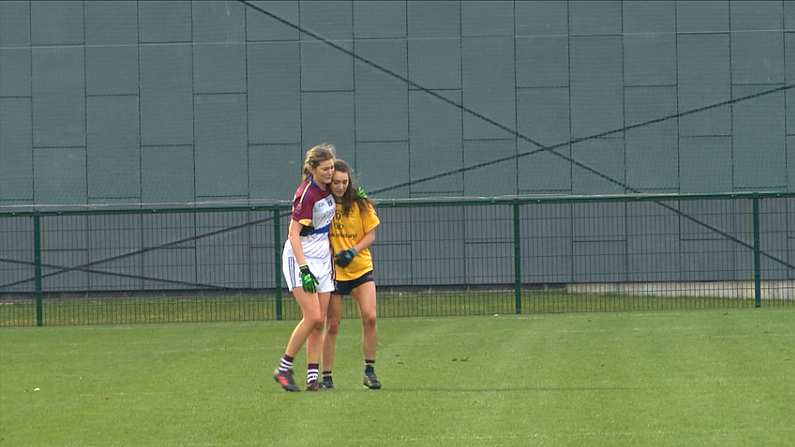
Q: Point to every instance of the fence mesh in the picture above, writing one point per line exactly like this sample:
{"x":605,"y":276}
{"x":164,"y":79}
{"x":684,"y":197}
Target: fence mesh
{"x":433,"y":258}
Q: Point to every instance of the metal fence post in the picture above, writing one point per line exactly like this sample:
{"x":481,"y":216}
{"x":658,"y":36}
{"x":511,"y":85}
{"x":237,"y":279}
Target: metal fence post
{"x":517,"y":260}
{"x":37,"y":269}
{"x":757,"y":262}
{"x":277,"y":260}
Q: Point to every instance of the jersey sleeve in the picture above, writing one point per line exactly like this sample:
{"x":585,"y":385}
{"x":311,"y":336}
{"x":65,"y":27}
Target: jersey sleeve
{"x":370,"y":219}
{"x":303,"y":203}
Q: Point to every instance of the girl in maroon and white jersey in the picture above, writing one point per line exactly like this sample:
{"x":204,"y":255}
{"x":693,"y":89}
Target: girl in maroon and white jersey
{"x":306,"y":264}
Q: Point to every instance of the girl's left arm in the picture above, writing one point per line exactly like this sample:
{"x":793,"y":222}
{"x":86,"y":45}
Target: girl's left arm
{"x":365,"y":241}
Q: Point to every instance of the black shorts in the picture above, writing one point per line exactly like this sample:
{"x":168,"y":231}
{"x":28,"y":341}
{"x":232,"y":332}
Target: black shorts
{"x":345,"y":287}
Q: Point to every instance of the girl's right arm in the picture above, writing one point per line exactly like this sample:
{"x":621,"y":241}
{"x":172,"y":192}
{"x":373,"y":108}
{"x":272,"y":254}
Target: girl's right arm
{"x":294,"y":236}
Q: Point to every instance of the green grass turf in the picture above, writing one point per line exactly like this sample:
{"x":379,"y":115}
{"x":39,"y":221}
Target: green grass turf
{"x":698,"y":378}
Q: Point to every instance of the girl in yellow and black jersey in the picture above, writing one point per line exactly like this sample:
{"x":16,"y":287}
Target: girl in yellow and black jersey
{"x":351,"y":234}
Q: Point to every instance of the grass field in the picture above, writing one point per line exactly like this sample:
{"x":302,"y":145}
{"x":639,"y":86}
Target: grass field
{"x":252,"y":306}
{"x":696,"y":378}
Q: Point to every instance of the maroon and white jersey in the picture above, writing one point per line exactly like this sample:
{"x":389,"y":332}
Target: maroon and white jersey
{"x":314,"y":209}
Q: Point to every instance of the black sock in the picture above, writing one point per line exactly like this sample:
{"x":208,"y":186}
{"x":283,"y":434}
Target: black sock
{"x":369,"y":365}
{"x":327,"y":373}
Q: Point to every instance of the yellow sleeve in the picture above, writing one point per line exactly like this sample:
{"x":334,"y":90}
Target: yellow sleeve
{"x":370,"y":219}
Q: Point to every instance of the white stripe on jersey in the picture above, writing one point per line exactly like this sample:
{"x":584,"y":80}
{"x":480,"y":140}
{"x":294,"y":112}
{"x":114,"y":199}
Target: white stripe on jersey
{"x":317,"y":245}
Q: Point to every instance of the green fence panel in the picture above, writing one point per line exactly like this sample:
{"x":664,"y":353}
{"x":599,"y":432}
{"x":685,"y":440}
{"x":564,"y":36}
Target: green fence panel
{"x":433,"y":257}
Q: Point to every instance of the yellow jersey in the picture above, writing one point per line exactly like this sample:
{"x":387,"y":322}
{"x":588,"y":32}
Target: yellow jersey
{"x":345,"y":232}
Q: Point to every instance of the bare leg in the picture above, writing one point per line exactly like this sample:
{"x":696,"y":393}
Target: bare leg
{"x":314,"y":341}
{"x":311,"y":320}
{"x":365,"y":297}
{"x":333,"y":317}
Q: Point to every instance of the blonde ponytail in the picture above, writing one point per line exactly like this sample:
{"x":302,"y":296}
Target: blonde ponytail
{"x":315,"y":156}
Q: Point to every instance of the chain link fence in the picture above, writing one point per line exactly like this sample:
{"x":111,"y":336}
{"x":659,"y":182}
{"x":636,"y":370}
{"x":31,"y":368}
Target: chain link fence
{"x":434,"y":257}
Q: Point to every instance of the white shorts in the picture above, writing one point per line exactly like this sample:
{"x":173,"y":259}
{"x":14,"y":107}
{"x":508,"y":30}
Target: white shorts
{"x":321,"y":268}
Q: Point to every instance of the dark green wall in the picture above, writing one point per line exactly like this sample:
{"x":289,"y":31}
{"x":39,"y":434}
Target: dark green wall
{"x":197,"y":101}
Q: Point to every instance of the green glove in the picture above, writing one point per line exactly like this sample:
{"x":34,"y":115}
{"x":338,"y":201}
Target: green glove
{"x":361,"y":193}
{"x":344,"y":258}
{"x":308,"y":280}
